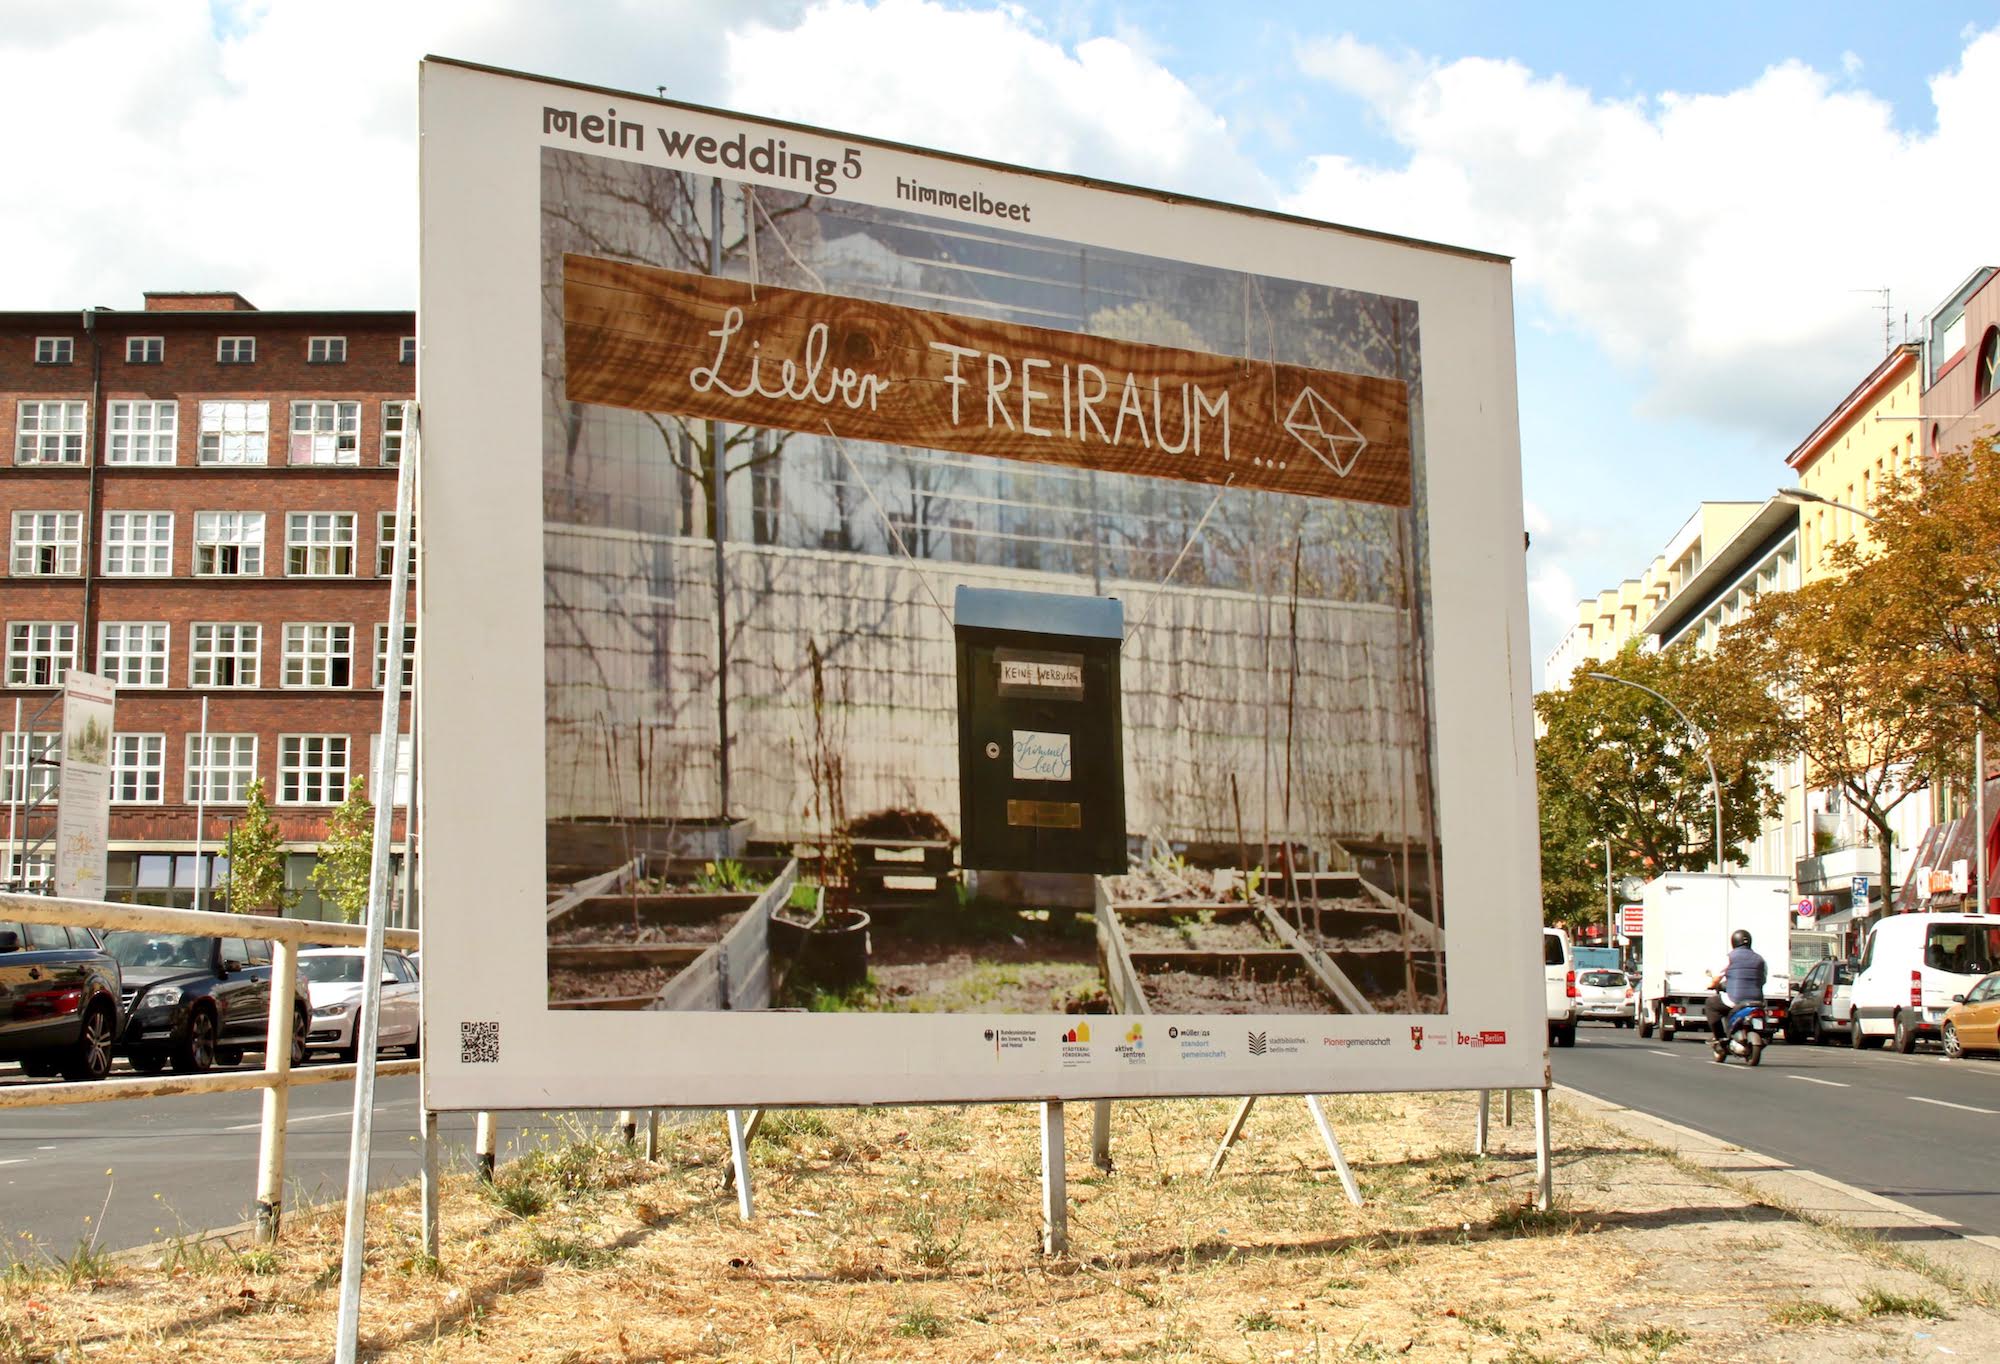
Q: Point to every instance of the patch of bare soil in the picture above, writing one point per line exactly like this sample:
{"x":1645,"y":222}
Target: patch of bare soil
{"x":568,"y":985}
{"x":706,"y":930}
{"x":1194,"y":992}
{"x":902,"y":1234}
{"x":1199,"y":933}
{"x":1038,"y":975}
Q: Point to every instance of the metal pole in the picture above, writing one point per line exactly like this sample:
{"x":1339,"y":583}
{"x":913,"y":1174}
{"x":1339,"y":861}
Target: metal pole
{"x":19,"y":784}
{"x":1100,"y":1135}
{"x":484,"y":1145}
{"x":1610,"y":929}
{"x":367,"y":1022}
{"x":1714,"y":786}
{"x":1979,"y":807}
{"x":652,"y":1134}
{"x":1347,"y":1183}
{"x":1506,"y":1108}
{"x":277,"y":1093}
{"x":1479,"y":1123}
{"x":718,"y":527}
{"x":1544,"y":1162}
{"x":628,"y":1126}
{"x":430,"y":1182}
{"x":201,"y":809}
{"x":739,"y":1155}
{"x":1055,"y":1192}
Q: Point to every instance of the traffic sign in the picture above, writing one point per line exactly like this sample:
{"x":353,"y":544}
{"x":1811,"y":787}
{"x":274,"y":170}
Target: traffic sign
{"x":1632,"y":920}
{"x":1860,"y":891}
{"x":1807,"y":908}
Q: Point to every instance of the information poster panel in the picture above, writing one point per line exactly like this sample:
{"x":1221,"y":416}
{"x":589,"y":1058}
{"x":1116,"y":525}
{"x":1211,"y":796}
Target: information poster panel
{"x":83,"y":797}
{"x":722,"y":418}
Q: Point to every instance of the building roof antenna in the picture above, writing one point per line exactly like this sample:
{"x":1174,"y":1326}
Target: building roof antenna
{"x":1888,"y":317}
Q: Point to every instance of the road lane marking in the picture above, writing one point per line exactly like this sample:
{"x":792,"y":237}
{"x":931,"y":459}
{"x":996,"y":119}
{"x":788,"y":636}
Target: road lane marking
{"x":1813,"y":1081}
{"x":1943,"y":1103}
{"x":311,"y":1117}
{"x":18,"y":1160}
{"x":1659,"y":1051}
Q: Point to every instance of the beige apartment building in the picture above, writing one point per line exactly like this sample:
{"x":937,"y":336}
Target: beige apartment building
{"x":1871,"y":435}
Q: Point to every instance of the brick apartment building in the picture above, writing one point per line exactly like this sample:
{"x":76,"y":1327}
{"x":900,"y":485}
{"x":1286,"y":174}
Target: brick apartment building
{"x":197,"y":497}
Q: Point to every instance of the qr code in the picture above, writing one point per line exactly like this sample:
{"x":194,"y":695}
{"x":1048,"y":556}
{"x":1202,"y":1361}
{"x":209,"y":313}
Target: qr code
{"x":478,"y":1042}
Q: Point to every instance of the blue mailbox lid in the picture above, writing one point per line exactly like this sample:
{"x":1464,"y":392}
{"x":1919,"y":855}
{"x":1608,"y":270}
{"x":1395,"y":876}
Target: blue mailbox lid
{"x":1040,"y":613}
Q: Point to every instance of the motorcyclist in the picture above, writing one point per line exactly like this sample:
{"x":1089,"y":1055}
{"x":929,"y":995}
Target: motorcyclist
{"x":1739,"y":982}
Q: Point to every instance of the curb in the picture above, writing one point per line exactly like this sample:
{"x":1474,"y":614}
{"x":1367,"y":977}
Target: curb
{"x":1807,"y":1193}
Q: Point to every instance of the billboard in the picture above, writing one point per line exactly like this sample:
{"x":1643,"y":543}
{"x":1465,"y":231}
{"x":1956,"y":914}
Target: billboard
{"x":738,"y":433}
{"x":83,"y":796}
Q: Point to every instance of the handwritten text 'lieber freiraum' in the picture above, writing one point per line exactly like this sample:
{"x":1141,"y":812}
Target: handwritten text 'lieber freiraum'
{"x":1031,"y":395}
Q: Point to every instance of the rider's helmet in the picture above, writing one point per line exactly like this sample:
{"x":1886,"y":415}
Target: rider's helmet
{"x":1740,"y":938}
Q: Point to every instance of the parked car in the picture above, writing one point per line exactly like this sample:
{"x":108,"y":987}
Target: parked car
{"x":58,"y":1001}
{"x":1910,"y":967}
{"x":333,"y":976}
{"x":1821,"y":1002}
{"x":1972,"y":1023}
{"x":1606,"y":997}
{"x":198,"y":1002}
{"x":1559,"y":983}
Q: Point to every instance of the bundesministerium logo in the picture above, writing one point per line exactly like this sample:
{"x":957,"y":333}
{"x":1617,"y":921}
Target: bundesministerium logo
{"x":1319,"y":426}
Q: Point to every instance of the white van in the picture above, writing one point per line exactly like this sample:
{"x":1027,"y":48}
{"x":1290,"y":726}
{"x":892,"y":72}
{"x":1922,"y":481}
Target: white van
{"x":1559,"y":973}
{"x":1910,"y":967}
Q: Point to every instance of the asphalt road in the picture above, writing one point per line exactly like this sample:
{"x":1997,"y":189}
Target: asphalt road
{"x":177,"y":1166}
{"x":1919,"y":1129}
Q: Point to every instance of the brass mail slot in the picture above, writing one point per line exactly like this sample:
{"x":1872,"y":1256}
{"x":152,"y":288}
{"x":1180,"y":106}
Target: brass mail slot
{"x":1045,"y":814}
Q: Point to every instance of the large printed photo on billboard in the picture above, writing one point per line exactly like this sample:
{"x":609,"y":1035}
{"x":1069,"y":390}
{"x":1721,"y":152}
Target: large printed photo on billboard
{"x":818,"y":725}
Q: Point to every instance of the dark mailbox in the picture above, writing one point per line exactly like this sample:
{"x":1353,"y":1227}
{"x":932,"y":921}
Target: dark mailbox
{"x":1041,"y":752}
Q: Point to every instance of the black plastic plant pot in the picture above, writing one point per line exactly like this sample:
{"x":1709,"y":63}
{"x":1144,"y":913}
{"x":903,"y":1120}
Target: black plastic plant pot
{"x":838,"y":948}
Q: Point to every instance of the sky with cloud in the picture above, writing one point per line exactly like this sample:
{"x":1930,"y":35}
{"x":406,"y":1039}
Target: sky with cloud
{"x":1696,"y":200}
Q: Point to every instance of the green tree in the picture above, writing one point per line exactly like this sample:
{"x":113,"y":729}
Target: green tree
{"x":341,"y":873}
{"x":257,"y":861}
{"x":1613,"y":762}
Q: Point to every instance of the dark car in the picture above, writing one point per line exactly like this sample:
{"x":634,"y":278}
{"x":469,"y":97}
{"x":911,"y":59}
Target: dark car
{"x":1820,"y":1001}
{"x":196,"y":1002}
{"x":58,"y":1001}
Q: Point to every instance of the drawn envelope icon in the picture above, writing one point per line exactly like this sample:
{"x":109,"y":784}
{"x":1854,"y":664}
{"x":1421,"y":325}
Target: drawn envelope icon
{"x":1319,"y":426}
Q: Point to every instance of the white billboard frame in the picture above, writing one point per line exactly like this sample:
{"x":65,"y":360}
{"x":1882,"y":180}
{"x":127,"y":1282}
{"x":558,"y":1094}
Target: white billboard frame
{"x":491,"y":1040}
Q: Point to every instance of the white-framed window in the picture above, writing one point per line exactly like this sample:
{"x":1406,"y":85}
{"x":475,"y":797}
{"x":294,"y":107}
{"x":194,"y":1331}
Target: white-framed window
{"x":385,"y":545}
{"x":226,"y":768}
{"x":32,"y":869}
{"x":325,"y":433}
{"x":235,"y":432}
{"x":138,"y":769}
{"x":141,"y":432}
{"x":47,"y":544}
{"x":145,"y":350}
{"x":312,"y":769}
{"x":382,"y":654}
{"x":319,"y":655}
{"x":40,"y":771}
{"x":406,"y":353}
{"x":133,"y":653}
{"x":319,"y":544}
{"x":326,"y":350}
{"x":235,"y":350}
{"x":49,"y":432}
{"x":138,"y":544}
{"x":229,"y":544}
{"x":224,"y":653}
{"x":405,"y":768}
{"x":394,"y":423}
{"x":40,"y":653}
{"x":55,"y":350}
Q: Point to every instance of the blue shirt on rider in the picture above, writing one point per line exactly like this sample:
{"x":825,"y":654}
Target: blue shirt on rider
{"x":1743,"y":978}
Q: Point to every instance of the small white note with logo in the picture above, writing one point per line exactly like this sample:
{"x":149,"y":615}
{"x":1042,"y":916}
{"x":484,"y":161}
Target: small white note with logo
{"x":1040,"y":757}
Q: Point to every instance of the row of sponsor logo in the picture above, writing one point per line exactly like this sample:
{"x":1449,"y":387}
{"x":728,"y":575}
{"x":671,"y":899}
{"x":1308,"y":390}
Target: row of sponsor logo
{"x":1125,"y":1039}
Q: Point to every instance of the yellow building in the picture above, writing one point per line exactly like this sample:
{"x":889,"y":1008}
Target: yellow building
{"x":1871,"y":435}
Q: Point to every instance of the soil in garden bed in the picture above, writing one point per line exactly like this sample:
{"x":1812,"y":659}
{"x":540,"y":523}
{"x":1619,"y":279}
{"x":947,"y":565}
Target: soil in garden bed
{"x":705,"y":930}
{"x":571,"y":985}
{"x":1194,"y":992}
{"x":1197,"y":933}
{"x":980,"y":958}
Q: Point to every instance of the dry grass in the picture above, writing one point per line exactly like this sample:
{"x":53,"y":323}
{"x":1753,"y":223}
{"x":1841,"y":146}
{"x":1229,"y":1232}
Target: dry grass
{"x":911,"y":1234}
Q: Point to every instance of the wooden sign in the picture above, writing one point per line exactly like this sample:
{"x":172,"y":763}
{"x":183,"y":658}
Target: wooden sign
{"x":699,"y":346}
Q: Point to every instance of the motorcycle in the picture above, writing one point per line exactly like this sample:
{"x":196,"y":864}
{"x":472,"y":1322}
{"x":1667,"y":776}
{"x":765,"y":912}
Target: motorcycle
{"x":1743,"y":1035}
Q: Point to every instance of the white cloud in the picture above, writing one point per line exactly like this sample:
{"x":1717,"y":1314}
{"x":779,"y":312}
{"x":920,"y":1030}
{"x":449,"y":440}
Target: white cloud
{"x":991,"y":83}
{"x":1711,"y":241}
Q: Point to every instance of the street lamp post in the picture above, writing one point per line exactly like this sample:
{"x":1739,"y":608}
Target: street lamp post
{"x":1714,"y":786}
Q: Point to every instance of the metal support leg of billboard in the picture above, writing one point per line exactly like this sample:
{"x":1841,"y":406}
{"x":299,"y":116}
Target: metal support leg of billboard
{"x":739,"y":1158}
{"x":430,"y":1183}
{"x":1318,"y":1111}
{"x":367,"y":1022}
{"x":1055,"y":1181}
{"x":1479,"y":1122}
{"x":732,"y":1174}
{"x":484,"y":1145}
{"x":1544,"y":1152}
{"x":1100,"y":1135}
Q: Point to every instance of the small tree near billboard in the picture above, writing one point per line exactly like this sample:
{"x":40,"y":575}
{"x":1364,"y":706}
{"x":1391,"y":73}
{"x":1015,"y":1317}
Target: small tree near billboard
{"x":341,"y":873}
{"x":257,"y":861}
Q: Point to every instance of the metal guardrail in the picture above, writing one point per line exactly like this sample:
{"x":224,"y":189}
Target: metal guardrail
{"x":275,"y":1079}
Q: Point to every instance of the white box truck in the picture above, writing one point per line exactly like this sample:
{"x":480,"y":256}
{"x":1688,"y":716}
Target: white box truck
{"x":1685,"y":940}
